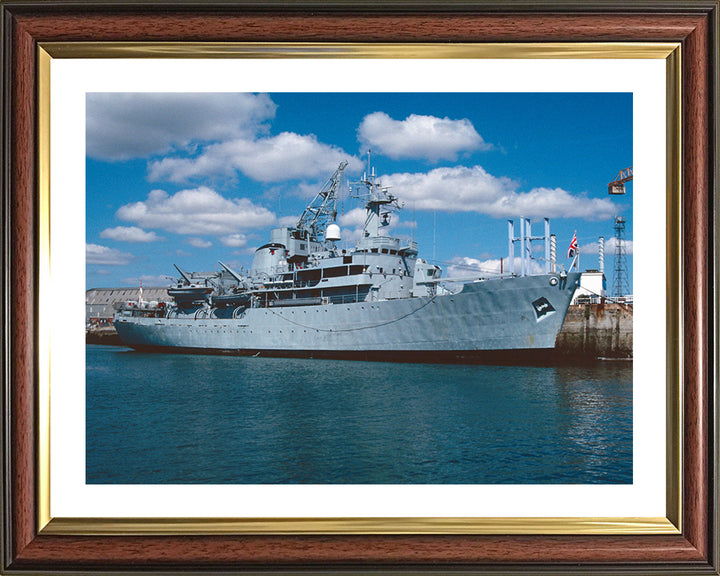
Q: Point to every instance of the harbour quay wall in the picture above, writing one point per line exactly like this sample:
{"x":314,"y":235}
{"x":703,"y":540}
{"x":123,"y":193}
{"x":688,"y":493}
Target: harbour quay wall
{"x":102,"y":335}
{"x":597,"y":331}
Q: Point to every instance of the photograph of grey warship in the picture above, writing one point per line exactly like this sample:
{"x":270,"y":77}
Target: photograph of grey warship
{"x":303,"y":296}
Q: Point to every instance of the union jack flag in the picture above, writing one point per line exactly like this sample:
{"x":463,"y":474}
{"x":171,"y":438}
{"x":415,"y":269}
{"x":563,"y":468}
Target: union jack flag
{"x":572,"y":250}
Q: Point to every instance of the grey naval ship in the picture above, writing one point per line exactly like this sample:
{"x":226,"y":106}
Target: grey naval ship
{"x":305,"y":297}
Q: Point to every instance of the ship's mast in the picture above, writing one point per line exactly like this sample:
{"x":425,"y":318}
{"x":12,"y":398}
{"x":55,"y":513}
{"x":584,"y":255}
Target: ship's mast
{"x":322,"y":211}
{"x":376,"y":199}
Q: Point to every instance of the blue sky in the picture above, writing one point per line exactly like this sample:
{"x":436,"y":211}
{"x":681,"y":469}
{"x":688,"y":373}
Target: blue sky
{"x":196,"y":178}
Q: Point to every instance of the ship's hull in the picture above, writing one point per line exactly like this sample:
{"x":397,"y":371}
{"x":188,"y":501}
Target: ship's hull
{"x":494,"y":320}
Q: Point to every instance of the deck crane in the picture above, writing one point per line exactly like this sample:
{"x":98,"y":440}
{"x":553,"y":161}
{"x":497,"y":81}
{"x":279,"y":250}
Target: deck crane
{"x":617,"y":186}
{"x":322,"y":211}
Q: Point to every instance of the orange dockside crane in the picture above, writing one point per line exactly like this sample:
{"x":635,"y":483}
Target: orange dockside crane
{"x":617,"y":186}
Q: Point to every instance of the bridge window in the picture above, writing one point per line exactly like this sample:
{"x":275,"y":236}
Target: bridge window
{"x":335,"y":272}
{"x":308,"y":275}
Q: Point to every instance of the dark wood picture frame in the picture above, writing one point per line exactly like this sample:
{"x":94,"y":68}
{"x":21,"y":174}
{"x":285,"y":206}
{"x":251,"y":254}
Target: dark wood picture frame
{"x":27,"y":24}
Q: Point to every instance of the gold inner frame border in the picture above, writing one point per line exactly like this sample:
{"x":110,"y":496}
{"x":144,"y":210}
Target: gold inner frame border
{"x":670,"y":524}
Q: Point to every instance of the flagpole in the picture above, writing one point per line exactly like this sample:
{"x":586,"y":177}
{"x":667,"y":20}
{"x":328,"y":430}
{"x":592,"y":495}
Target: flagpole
{"x":575,"y":252}
{"x":577,"y":263}
{"x":574,"y":262}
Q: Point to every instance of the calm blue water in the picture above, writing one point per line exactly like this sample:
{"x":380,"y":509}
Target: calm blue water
{"x":163,"y":418}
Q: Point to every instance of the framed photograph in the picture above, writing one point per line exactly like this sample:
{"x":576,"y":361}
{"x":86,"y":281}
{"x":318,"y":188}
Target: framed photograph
{"x":378,"y":216}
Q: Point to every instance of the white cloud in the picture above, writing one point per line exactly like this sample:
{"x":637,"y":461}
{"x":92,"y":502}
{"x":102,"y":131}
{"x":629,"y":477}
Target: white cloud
{"x":104,"y":256}
{"x":557,"y":203}
{"x":463,"y":266}
{"x":199,"y":242}
{"x":419,"y":136}
{"x":288,"y":221}
{"x":610,"y":246}
{"x":129,"y":234}
{"x":463,"y":189}
{"x":353,"y":218}
{"x":286,"y":156}
{"x":351,"y":224}
{"x":611,"y":243}
{"x":456,"y":189}
{"x":308,"y":189}
{"x":234,"y":240}
{"x":199,"y":211}
{"x":137,"y":125}
{"x":245,"y":251}
{"x":149,"y":281}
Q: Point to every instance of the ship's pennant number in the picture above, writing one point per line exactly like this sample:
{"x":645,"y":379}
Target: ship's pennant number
{"x":543,"y":308}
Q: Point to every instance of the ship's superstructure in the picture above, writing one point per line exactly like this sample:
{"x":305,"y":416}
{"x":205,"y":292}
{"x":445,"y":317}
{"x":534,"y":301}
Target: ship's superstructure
{"x":305,"y":296}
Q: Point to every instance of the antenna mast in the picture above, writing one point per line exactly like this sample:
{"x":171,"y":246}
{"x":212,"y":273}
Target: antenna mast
{"x":617,"y":187}
{"x":377,"y":198}
{"x":620,"y":287}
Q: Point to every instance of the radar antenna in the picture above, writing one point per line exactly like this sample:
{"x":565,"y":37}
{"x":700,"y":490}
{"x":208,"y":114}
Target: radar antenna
{"x":322,"y":211}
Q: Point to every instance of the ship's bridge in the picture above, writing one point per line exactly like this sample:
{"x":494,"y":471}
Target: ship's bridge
{"x":378,"y":244}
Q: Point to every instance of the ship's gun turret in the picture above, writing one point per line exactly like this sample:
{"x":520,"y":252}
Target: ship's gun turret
{"x":239,"y":278}
{"x":183,"y":274}
{"x":189,"y":293}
